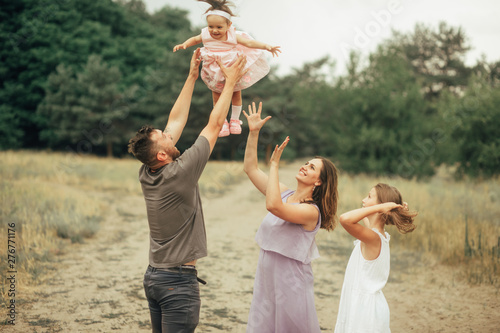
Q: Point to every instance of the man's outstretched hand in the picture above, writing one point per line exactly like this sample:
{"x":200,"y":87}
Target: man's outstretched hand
{"x":234,"y":72}
{"x":194,"y":68}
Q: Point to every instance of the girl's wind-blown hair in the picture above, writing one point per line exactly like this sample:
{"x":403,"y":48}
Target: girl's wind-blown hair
{"x":401,"y":217}
{"x":219,"y":5}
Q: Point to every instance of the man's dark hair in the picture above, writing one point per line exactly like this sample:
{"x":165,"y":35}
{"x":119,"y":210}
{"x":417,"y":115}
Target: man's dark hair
{"x":142,"y":147}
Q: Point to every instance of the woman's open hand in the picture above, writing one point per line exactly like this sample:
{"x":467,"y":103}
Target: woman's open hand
{"x":278,"y":150}
{"x":255,"y":122}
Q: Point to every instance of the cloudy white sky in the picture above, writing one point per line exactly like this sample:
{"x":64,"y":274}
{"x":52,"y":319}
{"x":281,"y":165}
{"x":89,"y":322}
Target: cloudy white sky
{"x":308,"y":30}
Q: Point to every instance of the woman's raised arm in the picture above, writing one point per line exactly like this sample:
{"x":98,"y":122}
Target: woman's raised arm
{"x":258,"y":177}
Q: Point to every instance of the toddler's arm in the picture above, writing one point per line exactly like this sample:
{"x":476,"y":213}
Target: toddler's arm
{"x":253,"y":44}
{"x":190,"y":42}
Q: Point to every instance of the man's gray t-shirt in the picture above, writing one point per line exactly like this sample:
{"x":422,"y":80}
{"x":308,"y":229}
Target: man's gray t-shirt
{"x":173,"y":203}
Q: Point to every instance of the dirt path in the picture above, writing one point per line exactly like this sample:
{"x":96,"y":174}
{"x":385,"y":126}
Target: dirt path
{"x":98,"y":285}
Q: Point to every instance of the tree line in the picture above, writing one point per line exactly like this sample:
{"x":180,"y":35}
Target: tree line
{"x":84,"y":75}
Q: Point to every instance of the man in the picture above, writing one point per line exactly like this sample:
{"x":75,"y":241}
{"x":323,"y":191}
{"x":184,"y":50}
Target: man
{"x":169,"y":183}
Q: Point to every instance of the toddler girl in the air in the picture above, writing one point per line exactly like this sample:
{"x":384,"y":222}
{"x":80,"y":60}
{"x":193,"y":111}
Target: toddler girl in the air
{"x":221,"y":41}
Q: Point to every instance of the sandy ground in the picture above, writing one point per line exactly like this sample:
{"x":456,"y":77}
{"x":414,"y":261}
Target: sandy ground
{"x":98,"y":285}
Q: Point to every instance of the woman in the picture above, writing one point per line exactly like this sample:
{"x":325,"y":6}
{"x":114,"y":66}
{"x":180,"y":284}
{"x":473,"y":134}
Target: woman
{"x":283,"y":295}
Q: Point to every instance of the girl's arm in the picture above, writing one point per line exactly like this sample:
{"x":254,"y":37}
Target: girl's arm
{"x":350,"y":221}
{"x":253,"y":44}
{"x":190,"y":42}
{"x":250,"y":164}
{"x":304,"y":214}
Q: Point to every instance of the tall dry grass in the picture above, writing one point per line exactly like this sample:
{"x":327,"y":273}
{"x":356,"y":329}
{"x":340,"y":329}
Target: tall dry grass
{"x":458,"y":222}
{"x":54,"y":200}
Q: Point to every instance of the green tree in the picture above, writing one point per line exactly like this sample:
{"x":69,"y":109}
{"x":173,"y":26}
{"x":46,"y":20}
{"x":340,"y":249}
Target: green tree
{"x":83,"y":109}
{"x":313,"y":117}
{"x":9,"y":127}
{"x":171,"y":19}
{"x":476,"y":120}
{"x":373,"y":118}
{"x":437,"y":57}
{"x":456,"y":111}
{"x":37,"y":36}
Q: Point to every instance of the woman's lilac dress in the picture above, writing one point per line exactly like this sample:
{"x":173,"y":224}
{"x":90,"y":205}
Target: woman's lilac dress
{"x":283,"y":295}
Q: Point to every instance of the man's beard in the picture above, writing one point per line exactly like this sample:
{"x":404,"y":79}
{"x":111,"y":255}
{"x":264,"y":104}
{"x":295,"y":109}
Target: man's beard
{"x":173,"y":153}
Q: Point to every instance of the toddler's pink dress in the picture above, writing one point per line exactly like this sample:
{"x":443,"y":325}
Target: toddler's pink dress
{"x":283,"y":293}
{"x":228,"y":52}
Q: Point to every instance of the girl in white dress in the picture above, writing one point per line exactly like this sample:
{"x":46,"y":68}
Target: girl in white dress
{"x":224,"y":44}
{"x":363,"y":308}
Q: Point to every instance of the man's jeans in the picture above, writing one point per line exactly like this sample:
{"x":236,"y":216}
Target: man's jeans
{"x":174,"y":299}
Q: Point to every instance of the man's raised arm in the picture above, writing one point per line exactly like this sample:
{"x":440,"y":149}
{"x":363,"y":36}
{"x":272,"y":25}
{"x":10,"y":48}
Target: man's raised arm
{"x":180,"y":111}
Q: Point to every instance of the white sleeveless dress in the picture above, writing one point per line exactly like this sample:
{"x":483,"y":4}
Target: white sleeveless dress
{"x":363,"y":307}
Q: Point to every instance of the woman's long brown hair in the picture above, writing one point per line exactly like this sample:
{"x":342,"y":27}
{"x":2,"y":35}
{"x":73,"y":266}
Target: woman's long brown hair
{"x":326,"y":195}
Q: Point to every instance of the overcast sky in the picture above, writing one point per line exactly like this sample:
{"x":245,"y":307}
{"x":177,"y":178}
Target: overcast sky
{"x":308,"y":30}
